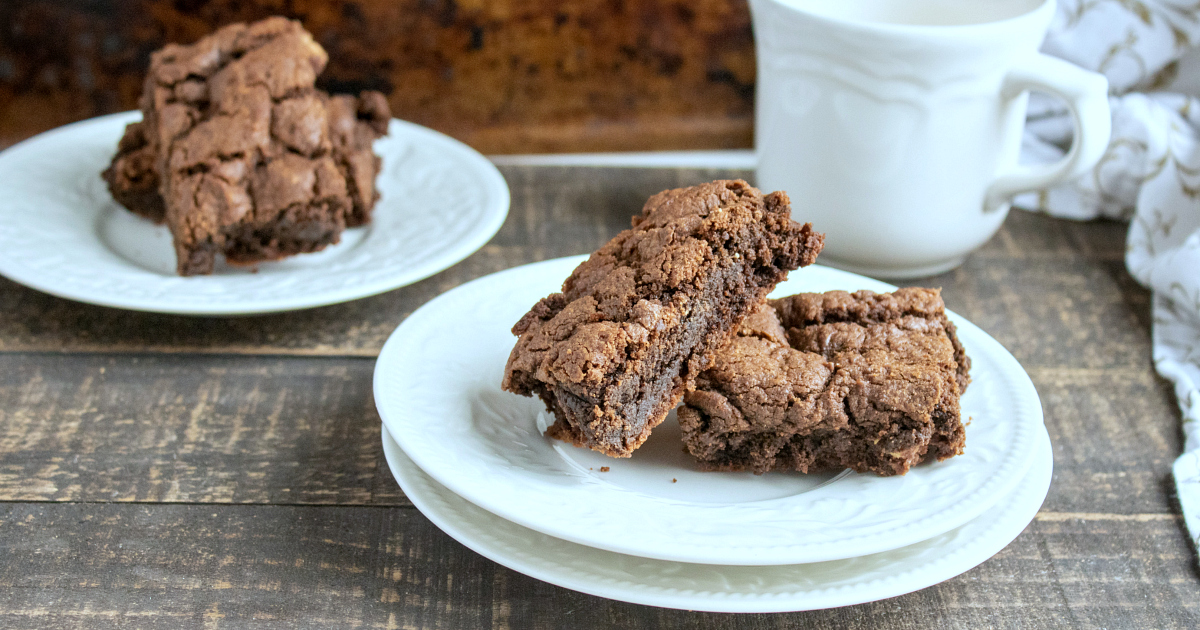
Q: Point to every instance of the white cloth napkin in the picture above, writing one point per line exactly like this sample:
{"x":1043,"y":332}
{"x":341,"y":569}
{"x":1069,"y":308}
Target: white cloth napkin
{"x":1150,"y":175}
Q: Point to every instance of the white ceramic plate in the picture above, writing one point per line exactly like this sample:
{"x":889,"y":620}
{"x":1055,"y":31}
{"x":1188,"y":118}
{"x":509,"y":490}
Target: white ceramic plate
{"x":61,"y":231}
{"x":728,"y":588}
{"x":437,"y":387}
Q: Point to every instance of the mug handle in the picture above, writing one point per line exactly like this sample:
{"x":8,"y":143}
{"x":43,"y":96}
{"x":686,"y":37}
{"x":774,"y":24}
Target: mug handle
{"x":1086,"y":94}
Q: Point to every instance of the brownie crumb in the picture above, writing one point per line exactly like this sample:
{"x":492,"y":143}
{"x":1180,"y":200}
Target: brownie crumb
{"x":638,"y":321}
{"x":818,"y":382}
{"x":604,"y":469}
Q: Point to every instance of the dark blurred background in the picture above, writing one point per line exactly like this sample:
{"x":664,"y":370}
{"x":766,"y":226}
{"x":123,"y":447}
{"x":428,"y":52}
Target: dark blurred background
{"x":506,"y":76}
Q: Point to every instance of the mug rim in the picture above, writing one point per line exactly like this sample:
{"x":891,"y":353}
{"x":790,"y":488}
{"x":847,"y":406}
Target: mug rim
{"x":919,"y":29}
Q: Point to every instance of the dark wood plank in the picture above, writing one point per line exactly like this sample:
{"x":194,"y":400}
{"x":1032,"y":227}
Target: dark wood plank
{"x":199,"y":429}
{"x":291,"y":430}
{"x":1067,"y":312}
{"x":156,"y":566}
{"x":1115,"y":435}
{"x":564,"y":211}
{"x":1051,"y":291}
{"x":555,"y":212}
{"x":216,"y":417}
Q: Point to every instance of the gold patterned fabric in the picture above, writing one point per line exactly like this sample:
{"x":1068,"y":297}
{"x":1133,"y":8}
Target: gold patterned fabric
{"x":1150,"y":175}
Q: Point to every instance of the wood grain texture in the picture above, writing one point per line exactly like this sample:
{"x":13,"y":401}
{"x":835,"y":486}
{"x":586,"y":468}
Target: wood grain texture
{"x":506,"y":76}
{"x":564,"y":211}
{"x":168,"y":472}
{"x":199,"y":429}
{"x":220,"y":429}
{"x":217,"y":429}
{"x":555,"y":212}
{"x":171,"y":566}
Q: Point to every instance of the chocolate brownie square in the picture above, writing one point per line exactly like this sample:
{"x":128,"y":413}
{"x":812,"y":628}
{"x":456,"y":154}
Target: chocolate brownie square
{"x":819,"y":382}
{"x":251,"y":161}
{"x":638,"y":321}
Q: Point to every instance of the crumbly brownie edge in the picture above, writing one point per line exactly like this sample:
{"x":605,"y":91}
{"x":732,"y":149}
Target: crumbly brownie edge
{"x":790,"y":245}
{"x":570,"y":410}
{"x":184,"y":89}
{"x":941,"y":438}
{"x":131,"y":178}
{"x":826,"y":451}
{"x":804,"y":309}
{"x":963,"y":375}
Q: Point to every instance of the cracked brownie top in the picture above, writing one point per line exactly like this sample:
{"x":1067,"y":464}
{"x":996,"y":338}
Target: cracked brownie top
{"x":638,"y":320}
{"x":824,"y":381}
{"x":249,"y":158}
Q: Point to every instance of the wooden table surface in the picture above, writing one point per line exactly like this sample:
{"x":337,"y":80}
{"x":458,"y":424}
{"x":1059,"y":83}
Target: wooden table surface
{"x":174,"y":472}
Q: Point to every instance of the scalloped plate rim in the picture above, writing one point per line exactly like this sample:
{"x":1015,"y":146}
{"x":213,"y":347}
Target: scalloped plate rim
{"x":522,"y":550}
{"x":491,"y":182}
{"x":395,"y":416}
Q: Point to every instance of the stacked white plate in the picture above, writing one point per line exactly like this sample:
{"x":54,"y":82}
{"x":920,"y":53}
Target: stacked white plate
{"x":654,"y":530}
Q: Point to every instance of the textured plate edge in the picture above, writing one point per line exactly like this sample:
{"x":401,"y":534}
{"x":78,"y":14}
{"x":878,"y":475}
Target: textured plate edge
{"x":910,"y":533}
{"x":1026,"y":391}
{"x":999,"y":536}
{"x":463,"y":248}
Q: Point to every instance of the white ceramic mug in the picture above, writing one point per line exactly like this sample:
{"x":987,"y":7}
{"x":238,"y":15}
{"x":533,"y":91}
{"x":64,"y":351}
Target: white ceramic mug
{"x":895,"y":125}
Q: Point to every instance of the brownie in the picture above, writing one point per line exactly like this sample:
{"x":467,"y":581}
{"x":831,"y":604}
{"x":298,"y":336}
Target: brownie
{"x":828,"y":381}
{"x":131,"y":176}
{"x":636,"y":322}
{"x":249,"y":159}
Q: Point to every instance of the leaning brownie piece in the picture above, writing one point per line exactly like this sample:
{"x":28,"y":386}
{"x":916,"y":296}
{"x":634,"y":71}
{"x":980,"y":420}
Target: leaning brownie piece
{"x":639,"y":320}
{"x":830,"y":381}
{"x":251,"y":161}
